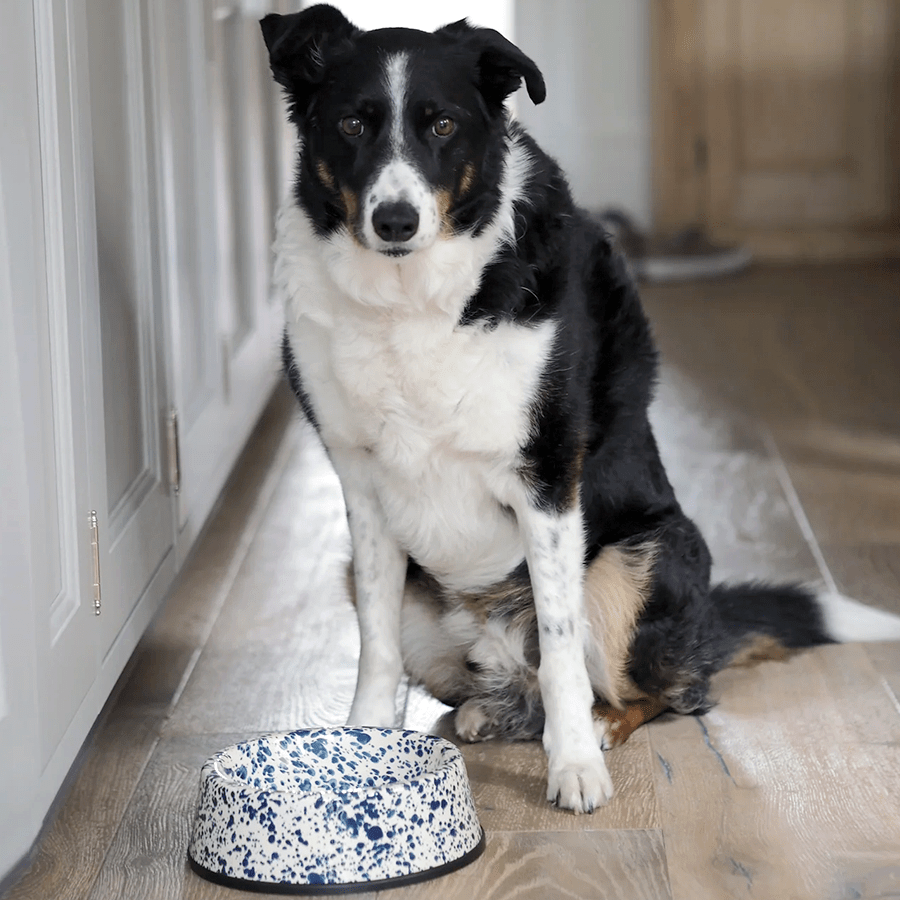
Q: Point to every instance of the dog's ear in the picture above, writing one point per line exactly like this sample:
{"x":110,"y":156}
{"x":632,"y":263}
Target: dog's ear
{"x":296,"y":44}
{"x":501,"y":64}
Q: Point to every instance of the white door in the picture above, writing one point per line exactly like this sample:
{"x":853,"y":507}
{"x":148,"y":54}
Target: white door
{"x":49,"y":648}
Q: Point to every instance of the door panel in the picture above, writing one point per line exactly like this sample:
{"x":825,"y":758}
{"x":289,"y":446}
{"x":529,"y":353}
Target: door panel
{"x":221,"y":225}
{"x":791,"y":82}
{"x":52,"y":366}
{"x":30,"y":559}
{"x":125,"y":350}
{"x":138,"y":530}
{"x":178,"y":49}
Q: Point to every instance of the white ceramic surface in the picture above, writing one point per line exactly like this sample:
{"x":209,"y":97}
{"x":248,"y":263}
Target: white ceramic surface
{"x":326,"y":809}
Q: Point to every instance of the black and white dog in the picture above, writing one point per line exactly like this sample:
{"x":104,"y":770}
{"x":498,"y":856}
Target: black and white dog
{"x":475,"y":359}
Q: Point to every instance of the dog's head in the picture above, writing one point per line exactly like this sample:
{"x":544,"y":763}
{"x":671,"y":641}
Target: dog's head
{"x":401,"y":131}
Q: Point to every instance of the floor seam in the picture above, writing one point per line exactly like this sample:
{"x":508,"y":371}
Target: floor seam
{"x":796,"y":506}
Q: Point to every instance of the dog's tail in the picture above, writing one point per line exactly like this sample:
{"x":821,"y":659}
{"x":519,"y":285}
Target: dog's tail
{"x":765,"y":621}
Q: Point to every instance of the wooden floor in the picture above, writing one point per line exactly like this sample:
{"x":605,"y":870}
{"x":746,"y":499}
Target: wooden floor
{"x":779,"y":419}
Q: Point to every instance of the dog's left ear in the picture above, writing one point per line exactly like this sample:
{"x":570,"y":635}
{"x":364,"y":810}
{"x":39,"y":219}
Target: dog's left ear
{"x":501,"y":64}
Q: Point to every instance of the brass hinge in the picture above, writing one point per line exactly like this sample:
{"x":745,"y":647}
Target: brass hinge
{"x":95,"y":560}
{"x":174,"y":452}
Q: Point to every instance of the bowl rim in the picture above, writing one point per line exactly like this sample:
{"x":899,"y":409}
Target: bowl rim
{"x":211,"y":775}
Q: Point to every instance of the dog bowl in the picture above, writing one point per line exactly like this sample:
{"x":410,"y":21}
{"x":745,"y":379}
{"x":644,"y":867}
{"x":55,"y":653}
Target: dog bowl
{"x":333,"y":810}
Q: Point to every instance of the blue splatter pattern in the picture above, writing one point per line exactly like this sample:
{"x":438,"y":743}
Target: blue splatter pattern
{"x":334,"y":806}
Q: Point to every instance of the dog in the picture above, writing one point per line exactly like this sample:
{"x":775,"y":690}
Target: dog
{"x":473,"y":354}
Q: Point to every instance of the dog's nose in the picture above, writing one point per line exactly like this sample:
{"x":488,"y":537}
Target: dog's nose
{"x":396,"y":221}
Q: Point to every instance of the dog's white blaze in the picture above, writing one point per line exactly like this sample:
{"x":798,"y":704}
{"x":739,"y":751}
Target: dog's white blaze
{"x":399,"y":180}
{"x":396,"y":80}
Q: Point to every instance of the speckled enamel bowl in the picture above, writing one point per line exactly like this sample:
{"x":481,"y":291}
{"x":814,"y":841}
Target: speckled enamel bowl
{"x":334,"y":810}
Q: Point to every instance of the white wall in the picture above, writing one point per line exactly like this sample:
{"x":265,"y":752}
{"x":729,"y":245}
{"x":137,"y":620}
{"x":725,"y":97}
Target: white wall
{"x":428,"y":15}
{"x":595,"y":56}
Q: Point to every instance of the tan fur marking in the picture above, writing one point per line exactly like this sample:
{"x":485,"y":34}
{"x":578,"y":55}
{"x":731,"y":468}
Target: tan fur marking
{"x":503,"y":594}
{"x":324,"y":174}
{"x":444,"y":200}
{"x":617,"y":585}
{"x":351,"y":212}
{"x":351,"y":205}
{"x":468,"y":177}
{"x":621,"y":723}
{"x":760,"y":647}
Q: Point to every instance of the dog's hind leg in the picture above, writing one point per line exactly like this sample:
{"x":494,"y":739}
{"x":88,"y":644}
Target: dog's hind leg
{"x":506,"y":699}
{"x":614,"y":726}
{"x":435,"y":641}
{"x":514,"y":714}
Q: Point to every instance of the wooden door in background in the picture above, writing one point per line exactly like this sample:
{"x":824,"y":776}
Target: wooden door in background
{"x":777,"y":123}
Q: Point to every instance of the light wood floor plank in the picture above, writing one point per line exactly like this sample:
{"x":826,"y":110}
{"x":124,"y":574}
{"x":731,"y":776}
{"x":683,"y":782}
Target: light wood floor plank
{"x":785,"y":788}
{"x":509,"y":781}
{"x":530,"y":866}
{"x":283,"y":652}
{"x":561,"y":866}
{"x":148,"y":858}
{"x":74,"y":848}
{"x":846,"y":506}
{"x":789,"y":345}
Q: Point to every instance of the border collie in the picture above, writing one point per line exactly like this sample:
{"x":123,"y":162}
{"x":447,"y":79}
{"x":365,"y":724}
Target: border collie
{"x":474,"y":357}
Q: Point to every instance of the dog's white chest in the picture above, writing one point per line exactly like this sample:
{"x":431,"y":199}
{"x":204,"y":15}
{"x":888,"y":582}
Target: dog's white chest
{"x":418,"y":386}
{"x":441,"y":410}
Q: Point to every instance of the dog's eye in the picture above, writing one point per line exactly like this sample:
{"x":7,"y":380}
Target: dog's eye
{"x":351,"y":126}
{"x":444,"y":127}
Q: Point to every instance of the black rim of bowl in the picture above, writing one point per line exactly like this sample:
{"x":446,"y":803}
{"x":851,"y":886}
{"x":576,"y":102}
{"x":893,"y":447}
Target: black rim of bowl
{"x":342,"y":887}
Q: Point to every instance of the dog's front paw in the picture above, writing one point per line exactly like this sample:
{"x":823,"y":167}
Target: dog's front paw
{"x":580,"y":785}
